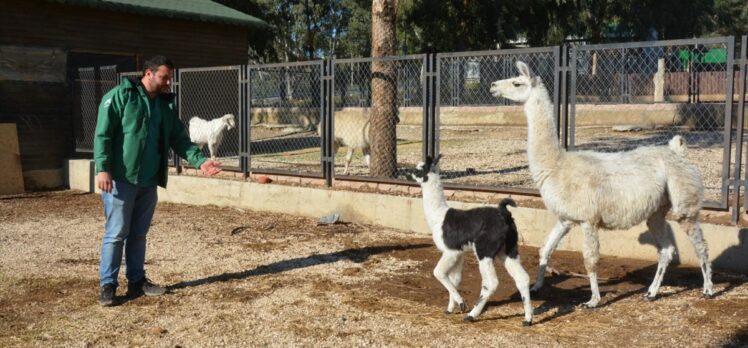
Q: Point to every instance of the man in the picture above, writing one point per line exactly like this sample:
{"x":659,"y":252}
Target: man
{"x":137,"y":124}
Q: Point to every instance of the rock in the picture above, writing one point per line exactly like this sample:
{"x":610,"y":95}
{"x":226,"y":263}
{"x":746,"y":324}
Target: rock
{"x":329,"y":219}
{"x":633,"y":127}
{"x":291,"y":130}
{"x":263,"y":179}
{"x":157,"y":330}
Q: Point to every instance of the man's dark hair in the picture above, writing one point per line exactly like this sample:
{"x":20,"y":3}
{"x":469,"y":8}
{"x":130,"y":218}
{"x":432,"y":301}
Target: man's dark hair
{"x":154,"y":62}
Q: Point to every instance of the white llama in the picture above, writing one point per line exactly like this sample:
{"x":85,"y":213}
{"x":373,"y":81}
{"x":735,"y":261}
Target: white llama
{"x":352,"y":131}
{"x":211,"y":132}
{"x":607,"y":190}
{"x":489,"y":231}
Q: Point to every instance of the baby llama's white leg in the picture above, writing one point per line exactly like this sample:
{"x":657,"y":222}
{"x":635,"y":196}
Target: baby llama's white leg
{"x":441,"y":272}
{"x":489,"y":283}
{"x":455,"y":276}
{"x":522,"y":280}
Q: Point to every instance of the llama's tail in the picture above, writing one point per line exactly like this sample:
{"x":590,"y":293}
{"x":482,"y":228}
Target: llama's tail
{"x":512,"y":237}
{"x":678,"y":145}
{"x":504,"y":202}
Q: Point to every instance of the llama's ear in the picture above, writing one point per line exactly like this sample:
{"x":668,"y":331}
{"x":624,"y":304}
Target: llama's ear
{"x":436,"y":161}
{"x":523,"y":69}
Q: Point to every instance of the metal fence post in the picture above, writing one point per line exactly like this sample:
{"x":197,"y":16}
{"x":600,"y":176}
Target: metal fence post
{"x":741,"y":104}
{"x":327,"y":111}
{"x":737,"y":183}
{"x":560,"y":106}
{"x":331,"y":119}
{"x":730,"y":81}
{"x":177,"y":101}
{"x":244,"y":120}
{"x":436,"y":104}
{"x":430,"y":129}
{"x":571,"y":98}
{"x":426,"y":101}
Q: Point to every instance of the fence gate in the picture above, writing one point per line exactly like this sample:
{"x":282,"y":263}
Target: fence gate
{"x":213,"y":94}
{"x":285,"y":111}
{"x":353,"y":108}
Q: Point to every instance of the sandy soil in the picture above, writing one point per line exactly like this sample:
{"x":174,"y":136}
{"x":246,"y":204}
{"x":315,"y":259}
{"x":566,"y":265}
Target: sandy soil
{"x":243,"y":278}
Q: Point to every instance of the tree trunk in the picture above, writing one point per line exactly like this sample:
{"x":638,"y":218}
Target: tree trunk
{"x":382,"y":136}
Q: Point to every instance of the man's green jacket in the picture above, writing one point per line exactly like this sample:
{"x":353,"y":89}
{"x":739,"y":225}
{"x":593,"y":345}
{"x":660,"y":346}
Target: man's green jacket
{"x":121,"y":131}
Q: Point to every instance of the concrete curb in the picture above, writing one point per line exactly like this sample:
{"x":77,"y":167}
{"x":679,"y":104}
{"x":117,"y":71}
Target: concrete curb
{"x":728,"y":245}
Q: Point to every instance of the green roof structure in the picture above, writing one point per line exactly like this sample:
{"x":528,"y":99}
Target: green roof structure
{"x":196,"y":10}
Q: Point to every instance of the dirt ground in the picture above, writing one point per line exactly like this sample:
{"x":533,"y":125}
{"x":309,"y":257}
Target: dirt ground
{"x":243,"y":278}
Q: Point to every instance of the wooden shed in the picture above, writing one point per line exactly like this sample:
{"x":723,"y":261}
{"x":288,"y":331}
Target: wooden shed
{"x":44,"y":42}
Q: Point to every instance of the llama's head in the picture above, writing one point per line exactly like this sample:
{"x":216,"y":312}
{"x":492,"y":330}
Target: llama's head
{"x":229,"y":120}
{"x":516,"y":88}
{"x":426,"y":170}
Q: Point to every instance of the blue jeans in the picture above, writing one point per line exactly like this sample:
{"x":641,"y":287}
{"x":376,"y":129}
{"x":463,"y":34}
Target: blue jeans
{"x":129,"y":210}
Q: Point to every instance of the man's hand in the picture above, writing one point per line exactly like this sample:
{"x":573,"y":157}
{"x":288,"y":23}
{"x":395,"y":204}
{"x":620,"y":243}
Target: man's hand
{"x":104,"y":181}
{"x":211,"y":167}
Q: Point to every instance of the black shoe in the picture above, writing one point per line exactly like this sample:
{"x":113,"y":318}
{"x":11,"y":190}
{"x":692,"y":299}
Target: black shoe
{"x":106,"y":295}
{"x":144,"y":287}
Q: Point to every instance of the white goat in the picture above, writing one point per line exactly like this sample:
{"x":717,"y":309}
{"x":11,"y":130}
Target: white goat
{"x":210,"y":132}
{"x":607,"y":190}
{"x":352,"y":131}
{"x":488,"y":231}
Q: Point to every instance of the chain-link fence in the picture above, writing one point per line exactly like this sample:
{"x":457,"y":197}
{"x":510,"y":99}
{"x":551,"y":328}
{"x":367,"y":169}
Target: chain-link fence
{"x":610,"y":97}
{"x":482,"y":138}
{"x":354,"y":107}
{"x":285,"y":102}
{"x":642,"y":94}
{"x":208,"y":106}
{"x":88,"y":89}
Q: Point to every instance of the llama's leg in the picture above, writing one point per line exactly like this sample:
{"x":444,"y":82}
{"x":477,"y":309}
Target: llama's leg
{"x":591,"y":253}
{"x":551,"y":242}
{"x":522,"y":281}
{"x":693,"y":228}
{"x":348,"y":156}
{"x":335,"y":148}
{"x":441,"y":272}
{"x":489,"y":283}
{"x":455,"y":276}
{"x":663,"y":235}
{"x":213,"y":150}
{"x":367,"y":156}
